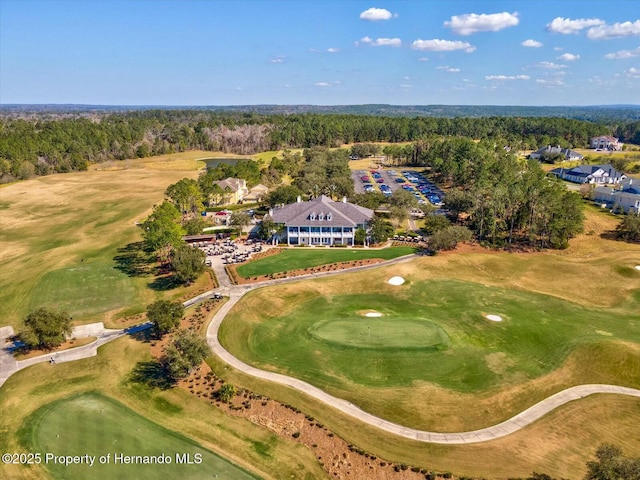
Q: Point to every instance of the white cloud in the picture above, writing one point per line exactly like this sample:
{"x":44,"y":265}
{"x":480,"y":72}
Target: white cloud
{"x":438,"y":45}
{"x":567,"y":26}
{"x":633,"y":72}
{"x":323,"y":84}
{"x":551,"y":82}
{"x":423,"y":59}
{"x":550,"y":65}
{"x":531,"y":43}
{"x":375,"y":14}
{"x":277,"y":60}
{"x":380,"y":42}
{"x":405,"y":85}
{"x":568,"y":57}
{"x":558,"y":49}
{"x":625,"y":29}
{"x":471,"y":23}
{"x":333,"y":50}
{"x":506,"y":77}
{"x":448,"y":69}
{"x":622,"y":54}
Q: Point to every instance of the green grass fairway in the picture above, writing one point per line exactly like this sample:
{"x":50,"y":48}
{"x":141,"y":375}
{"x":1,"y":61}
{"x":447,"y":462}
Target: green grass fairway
{"x":83,"y":290}
{"x":299,"y":258}
{"x":441,"y":336}
{"x":91,"y":424}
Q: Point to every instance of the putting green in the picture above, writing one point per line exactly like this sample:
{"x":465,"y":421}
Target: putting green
{"x":324,"y":339}
{"x":96,"y":426}
{"x":381,"y":333}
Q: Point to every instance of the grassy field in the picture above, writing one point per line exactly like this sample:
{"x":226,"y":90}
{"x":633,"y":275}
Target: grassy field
{"x":63,"y":239}
{"x":570,"y":317}
{"x":110,"y":374}
{"x":61,"y":234}
{"x":436,"y":334}
{"x":94,"y":425}
{"x":300,"y":258}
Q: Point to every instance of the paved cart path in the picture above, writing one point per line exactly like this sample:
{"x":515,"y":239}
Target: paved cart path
{"x":507,"y":427}
{"x":8,"y":366}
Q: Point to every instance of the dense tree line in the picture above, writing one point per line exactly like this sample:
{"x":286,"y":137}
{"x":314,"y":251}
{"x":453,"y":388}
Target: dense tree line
{"x":38,"y":146}
{"x":503,"y":198}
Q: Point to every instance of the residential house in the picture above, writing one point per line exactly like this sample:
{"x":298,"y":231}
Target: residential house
{"x":321,"y":221}
{"x":234,"y":190}
{"x":606,"y":142}
{"x":596,"y":174}
{"x":257,"y":194}
{"x":549,"y":151}
{"x":626,"y":199}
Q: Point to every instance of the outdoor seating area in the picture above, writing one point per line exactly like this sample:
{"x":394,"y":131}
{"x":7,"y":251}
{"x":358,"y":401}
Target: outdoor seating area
{"x":230,"y":251}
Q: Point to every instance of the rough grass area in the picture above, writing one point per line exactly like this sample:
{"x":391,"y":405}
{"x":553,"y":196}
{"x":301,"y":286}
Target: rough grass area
{"x":300,"y":258}
{"x":61,"y":232}
{"x":95,"y":425}
{"x":119,"y":372}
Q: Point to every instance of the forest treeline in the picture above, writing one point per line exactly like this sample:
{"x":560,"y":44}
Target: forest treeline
{"x":39,"y":146}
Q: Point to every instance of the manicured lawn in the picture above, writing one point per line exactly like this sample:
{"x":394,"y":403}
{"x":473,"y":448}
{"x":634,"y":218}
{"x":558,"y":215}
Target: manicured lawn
{"x":95,"y":425}
{"x":300,"y":258}
{"x":440,"y":336}
{"x":83,"y":290}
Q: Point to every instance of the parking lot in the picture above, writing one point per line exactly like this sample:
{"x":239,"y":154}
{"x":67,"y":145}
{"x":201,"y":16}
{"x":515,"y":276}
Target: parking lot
{"x":388,"y":181}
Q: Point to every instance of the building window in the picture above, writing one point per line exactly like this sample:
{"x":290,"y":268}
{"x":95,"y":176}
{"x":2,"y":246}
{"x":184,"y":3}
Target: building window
{"x":329,"y":216}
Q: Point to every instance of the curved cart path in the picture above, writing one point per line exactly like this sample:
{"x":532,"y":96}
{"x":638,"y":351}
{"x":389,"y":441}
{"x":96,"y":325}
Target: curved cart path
{"x":8,"y":366}
{"x":507,"y":427}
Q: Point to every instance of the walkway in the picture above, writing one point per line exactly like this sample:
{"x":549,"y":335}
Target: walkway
{"x":8,"y":366}
{"x":507,"y":427}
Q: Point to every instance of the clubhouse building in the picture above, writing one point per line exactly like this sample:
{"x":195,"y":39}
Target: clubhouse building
{"x":321,"y":221}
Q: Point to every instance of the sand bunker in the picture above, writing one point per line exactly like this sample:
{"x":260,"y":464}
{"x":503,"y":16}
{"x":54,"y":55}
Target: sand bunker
{"x":493,"y":318}
{"x":396,"y":281}
{"x":637,"y":267}
{"x":373,"y":314}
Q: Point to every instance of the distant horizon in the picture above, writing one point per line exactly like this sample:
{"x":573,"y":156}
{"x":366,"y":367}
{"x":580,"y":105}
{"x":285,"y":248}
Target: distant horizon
{"x":53,"y":104}
{"x":326,"y":53}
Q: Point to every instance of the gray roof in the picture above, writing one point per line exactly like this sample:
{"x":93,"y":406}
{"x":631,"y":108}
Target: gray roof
{"x":584,"y":171}
{"x":309,"y":213}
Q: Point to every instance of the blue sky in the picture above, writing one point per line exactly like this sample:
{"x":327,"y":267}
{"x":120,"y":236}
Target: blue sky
{"x":205,"y":52}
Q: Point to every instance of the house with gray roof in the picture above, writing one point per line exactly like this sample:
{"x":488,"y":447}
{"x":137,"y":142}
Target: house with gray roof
{"x":550,"y":152}
{"x":596,"y":174}
{"x":321,"y":221}
{"x":625,"y":199}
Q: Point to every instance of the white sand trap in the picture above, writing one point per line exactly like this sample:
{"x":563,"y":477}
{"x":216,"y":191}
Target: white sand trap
{"x":373,"y":314}
{"x":494,"y":318}
{"x":637,"y":267}
{"x":396,"y":281}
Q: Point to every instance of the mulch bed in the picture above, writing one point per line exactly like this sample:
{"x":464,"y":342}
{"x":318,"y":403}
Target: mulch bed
{"x":338,"y":458}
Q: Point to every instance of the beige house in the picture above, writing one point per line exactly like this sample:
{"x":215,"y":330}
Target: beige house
{"x":234,"y":190}
{"x":257,"y":193}
{"x":606,"y":142}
